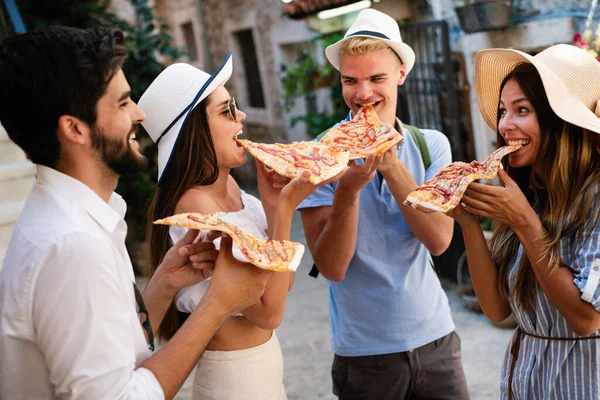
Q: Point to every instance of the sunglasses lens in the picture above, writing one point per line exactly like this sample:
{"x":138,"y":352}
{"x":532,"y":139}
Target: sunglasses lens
{"x":232,"y":108}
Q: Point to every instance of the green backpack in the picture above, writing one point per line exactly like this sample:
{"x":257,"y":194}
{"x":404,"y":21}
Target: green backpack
{"x":418,"y":138}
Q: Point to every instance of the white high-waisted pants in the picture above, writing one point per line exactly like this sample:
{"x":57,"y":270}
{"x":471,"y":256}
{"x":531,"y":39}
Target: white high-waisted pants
{"x":249,"y":374}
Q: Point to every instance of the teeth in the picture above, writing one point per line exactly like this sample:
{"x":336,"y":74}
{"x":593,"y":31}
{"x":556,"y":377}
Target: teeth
{"x":518,"y":142}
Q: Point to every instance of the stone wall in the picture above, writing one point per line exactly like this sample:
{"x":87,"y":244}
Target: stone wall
{"x":223,"y":19}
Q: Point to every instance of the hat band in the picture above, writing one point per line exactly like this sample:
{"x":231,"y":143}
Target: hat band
{"x":370,"y":33}
{"x":202,"y":89}
{"x":176,"y":119}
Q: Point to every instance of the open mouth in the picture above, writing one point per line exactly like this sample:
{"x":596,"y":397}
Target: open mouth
{"x":235,"y":138}
{"x":374,"y":104}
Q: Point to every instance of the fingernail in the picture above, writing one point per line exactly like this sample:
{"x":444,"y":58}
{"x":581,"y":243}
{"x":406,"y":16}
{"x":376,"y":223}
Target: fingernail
{"x":184,"y":251}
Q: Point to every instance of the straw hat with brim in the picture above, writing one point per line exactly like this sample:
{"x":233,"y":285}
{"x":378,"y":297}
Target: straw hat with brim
{"x":570,"y":75}
{"x":377,"y":25}
{"x":171,"y":97}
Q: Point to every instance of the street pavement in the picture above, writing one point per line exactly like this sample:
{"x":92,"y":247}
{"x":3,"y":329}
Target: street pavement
{"x":305,"y":340}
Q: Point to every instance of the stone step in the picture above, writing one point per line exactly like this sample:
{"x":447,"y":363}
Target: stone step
{"x":9,"y":212}
{"x":16,"y":179}
{"x":9,"y":152}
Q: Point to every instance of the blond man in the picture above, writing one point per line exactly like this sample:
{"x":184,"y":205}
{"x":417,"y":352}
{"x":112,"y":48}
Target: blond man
{"x":393,"y":335}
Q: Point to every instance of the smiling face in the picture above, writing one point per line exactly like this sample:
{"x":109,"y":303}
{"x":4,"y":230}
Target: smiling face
{"x":372,"y":78}
{"x":113,"y":134}
{"x":518,"y":123}
{"x":224,"y":130}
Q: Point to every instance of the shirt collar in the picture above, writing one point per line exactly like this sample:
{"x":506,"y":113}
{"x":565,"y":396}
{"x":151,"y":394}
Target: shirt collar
{"x":107,"y":215}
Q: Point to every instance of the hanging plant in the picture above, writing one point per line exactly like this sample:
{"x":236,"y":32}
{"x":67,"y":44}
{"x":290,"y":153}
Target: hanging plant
{"x":302,"y":78}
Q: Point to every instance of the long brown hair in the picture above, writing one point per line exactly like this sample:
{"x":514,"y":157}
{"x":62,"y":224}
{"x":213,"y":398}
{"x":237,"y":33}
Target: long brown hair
{"x":193,"y":163}
{"x":562,"y":187}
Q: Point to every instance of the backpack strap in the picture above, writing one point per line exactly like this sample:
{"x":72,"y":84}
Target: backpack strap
{"x":419,"y":140}
{"x":320,"y":135}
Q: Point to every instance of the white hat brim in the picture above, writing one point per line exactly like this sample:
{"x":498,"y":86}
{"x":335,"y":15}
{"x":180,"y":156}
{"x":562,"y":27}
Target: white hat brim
{"x":168,"y":140}
{"x":404,"y":51}
{"x":493,"y":65}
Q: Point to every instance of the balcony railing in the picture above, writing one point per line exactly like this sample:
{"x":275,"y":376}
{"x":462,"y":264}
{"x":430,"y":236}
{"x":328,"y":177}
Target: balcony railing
{"x":527,"y":10}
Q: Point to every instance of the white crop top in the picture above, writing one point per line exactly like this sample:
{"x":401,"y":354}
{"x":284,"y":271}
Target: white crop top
{"x":251,"y":219}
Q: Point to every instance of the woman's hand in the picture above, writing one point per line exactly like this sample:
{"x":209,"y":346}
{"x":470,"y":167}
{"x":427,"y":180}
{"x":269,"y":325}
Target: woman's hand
{"x":298,"y":189}
{"x":505,"y":204}
{"x":269,"y":184}
{"x":189,"y":261}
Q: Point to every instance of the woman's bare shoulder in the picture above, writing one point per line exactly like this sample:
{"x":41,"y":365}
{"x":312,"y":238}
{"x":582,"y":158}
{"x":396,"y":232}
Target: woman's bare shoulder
{"x":196,"y":200}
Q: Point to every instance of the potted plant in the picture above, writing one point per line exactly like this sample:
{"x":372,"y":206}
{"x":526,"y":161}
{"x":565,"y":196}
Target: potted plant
{"x":483,"y":15}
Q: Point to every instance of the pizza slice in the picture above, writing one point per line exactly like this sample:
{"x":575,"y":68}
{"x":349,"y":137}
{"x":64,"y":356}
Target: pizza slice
{"x":290,"y":160}
{"x":363,"y":135}
{"x":273,"y":255}
{"x":444,"y":191}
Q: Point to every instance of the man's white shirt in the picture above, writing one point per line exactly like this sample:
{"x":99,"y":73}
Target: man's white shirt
{"x":69,"y":326}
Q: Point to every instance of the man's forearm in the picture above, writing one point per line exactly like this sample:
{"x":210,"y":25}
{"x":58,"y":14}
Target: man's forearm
{"x":172,"y":364}
{"x":335,"y":246}
{"x":434,"y":230}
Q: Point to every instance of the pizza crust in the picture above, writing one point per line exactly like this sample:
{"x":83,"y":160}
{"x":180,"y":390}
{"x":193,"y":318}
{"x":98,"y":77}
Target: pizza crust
{"x":452,"y":179}
{"x":290,"y":160}
{"x":272,"y":255}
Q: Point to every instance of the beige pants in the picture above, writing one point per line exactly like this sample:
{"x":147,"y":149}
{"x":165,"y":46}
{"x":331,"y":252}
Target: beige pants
{"x":250,"y":374}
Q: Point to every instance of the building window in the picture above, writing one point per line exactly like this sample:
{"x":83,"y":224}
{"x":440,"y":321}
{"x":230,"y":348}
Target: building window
{"x":253,"y":81}
{"x":190,"y":42}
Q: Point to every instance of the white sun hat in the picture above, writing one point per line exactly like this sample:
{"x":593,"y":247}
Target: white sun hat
{"x":377,"y":25}
{"x":171,"y":97}
{"x":570,"y":75}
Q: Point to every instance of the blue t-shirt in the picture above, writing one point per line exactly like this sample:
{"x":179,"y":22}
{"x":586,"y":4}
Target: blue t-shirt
{"x":391,"y":299}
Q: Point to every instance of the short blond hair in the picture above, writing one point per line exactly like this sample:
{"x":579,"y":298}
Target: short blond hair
{"x":359,"y":45}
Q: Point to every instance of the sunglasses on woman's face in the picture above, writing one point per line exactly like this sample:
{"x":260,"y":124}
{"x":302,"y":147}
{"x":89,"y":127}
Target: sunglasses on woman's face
{"x":232,"y":108}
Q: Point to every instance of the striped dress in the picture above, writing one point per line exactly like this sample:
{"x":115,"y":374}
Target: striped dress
{"x":546,"y":369}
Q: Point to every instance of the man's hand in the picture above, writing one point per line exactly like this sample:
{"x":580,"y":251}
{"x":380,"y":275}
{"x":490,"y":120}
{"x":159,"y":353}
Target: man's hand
{"x":189,"y":261}
{"x":390,"y":161}
{"x":358,"y":176}
{"x":235,"y":285}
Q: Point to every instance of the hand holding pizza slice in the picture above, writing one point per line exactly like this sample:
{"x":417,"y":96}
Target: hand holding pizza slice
{"x":444,"y":191}
{"x":290,"y":160}
{"x":272,"y":255}
{"x":363,"y":135}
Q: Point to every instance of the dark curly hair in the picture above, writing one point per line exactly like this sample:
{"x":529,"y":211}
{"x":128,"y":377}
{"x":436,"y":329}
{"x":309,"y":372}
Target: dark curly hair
{"x":52,"y":72}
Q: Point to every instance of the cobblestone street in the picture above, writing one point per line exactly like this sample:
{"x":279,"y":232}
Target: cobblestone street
{"x":305,"y":339}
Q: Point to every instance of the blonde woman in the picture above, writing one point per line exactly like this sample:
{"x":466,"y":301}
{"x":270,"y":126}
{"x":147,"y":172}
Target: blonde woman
{"x":195,"y":121}
{"x":544,"y":254}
